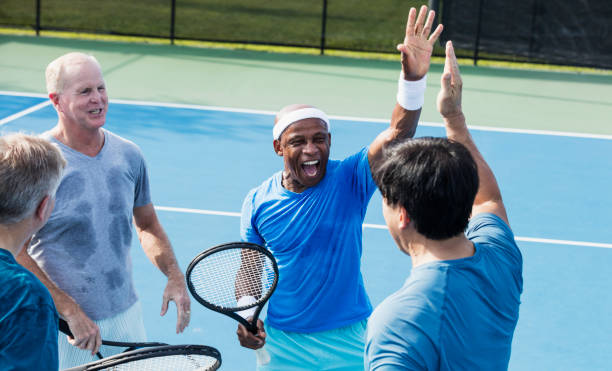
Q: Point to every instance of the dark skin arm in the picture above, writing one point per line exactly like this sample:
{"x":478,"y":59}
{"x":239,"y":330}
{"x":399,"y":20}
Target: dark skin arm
{"x":416,"y":56}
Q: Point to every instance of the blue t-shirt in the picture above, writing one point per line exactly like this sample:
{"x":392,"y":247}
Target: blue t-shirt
{"x":28,"y":320}
{"x":315,"y":237}
{"x":454,"y":314}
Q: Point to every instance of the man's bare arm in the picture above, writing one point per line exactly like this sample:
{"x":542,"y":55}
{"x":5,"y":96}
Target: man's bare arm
{"x":86,"y":334}
{"x":416,"y":55}
{"x":488,"y":199}
{"x":158,"y":249}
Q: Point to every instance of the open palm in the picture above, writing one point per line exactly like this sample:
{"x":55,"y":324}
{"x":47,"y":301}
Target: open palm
{"x":418,"y":44}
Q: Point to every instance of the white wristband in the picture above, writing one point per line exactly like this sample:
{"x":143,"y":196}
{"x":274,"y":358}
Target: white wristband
{"x":243,"y":302}
{"x":411,"y":94}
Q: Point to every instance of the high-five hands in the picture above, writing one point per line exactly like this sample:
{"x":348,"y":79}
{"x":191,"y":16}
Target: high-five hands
{"x":449,"y":97}
{"x":418,"y":44}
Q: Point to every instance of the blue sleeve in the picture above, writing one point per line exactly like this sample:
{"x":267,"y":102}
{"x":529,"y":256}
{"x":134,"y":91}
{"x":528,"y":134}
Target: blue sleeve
{"x":357,"y":168}
{"x":248,"y":231}
{"x":489,"y":230}
{"x":142,"y":192}
{"x":396,"y":344}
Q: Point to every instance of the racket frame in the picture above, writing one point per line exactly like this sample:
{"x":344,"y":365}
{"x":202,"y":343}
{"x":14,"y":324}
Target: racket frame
{"x":231,"y":312}
{"x":151,"y":353}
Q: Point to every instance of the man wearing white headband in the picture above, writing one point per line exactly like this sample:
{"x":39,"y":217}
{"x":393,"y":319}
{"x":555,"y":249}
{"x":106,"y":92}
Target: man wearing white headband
{"x":310,"y":216}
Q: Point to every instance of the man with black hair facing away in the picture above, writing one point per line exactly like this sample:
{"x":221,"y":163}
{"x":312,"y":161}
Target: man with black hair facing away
{"x":459,"y":307}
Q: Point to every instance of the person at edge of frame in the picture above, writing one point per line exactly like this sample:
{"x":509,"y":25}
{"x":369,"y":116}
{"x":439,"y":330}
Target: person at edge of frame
{"x":459,"y":307}
{"x":31,"y":169}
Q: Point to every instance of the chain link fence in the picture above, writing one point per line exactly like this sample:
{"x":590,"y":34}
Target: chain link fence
{"x":566,"y":32}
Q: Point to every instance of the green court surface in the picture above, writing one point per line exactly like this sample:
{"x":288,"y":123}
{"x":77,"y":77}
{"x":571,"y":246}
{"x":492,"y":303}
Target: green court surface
{"x":505,"y":98}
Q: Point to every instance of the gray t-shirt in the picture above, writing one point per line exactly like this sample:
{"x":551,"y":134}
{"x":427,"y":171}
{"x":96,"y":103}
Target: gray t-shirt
{"x":84,"y":247}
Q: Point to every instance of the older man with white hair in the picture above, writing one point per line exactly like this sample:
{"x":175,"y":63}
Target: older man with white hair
{"x":82,"y":254}
{"x":30,"y":169}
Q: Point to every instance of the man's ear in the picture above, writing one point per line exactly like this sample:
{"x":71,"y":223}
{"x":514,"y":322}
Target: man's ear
{"x":42,"y":210}
{"x":54,"y":97}
{"x":404,"y":218}
{"x":277,"y":147}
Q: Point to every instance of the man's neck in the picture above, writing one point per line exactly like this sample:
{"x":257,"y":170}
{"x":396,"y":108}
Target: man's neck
{"x":423,"y":250}
{"x":14,"y":237}
{"x":290,"y":184}
{"x":88,"y":142}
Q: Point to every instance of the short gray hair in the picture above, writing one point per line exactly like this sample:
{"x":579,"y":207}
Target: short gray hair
{"x":54,"y":74}
{"x":30,"y":168}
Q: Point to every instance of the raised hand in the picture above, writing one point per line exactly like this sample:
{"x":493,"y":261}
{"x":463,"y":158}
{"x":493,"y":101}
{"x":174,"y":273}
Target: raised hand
{"x":449,"y":97}
{"x":418,"y":44}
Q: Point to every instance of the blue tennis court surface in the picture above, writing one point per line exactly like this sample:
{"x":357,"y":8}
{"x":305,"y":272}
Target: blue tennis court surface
{"x":202,"y":162}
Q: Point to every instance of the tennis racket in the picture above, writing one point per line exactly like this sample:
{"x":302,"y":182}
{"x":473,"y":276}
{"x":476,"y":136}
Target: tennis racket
{"x":63,"y":327}
{"x":235,"y":279}
{"x":163,"y":358}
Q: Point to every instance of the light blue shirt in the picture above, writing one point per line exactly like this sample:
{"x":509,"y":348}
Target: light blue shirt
{"x":85,"y":246}
{"x":315,"y":237}
{"x":455,"y":314}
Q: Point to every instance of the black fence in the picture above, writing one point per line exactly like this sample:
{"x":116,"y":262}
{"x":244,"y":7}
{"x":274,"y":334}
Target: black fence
{"x":576,"y":32}
{"x":563,"y":32}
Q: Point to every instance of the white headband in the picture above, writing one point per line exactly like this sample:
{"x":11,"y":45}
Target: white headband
{"x":297,"y":115}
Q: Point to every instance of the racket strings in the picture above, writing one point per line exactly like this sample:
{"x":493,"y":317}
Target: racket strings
{"x":223,"y":277}
{"x":186,"y":362}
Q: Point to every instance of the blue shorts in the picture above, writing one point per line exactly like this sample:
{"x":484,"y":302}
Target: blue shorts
{"x":339,"y":349}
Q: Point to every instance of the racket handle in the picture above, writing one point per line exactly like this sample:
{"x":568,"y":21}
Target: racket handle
{"x":63,"y":327}
{"x":262,"y":355}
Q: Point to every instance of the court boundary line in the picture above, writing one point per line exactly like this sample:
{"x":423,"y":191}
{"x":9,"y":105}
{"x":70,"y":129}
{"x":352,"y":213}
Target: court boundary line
{"x":384,"y":227}
{"x":335,"y":117}
{"x":24,"y":112}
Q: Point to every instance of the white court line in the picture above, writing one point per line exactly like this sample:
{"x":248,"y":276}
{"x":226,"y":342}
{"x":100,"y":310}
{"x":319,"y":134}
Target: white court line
{"x":19,"y":94}
{"x":26,"y":111}
{"x":196,"y":211}
{"x":334,"y":117}
{"x":564,"y":242}
{"x":347,"y":118}
{"x":380,"y":226}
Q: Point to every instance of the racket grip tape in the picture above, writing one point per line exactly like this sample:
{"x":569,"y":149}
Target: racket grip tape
{"x":63,"y":327}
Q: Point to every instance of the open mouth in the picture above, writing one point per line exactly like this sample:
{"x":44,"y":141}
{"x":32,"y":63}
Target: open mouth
{"x":311,"y":168}
{"x":95,"y":111}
